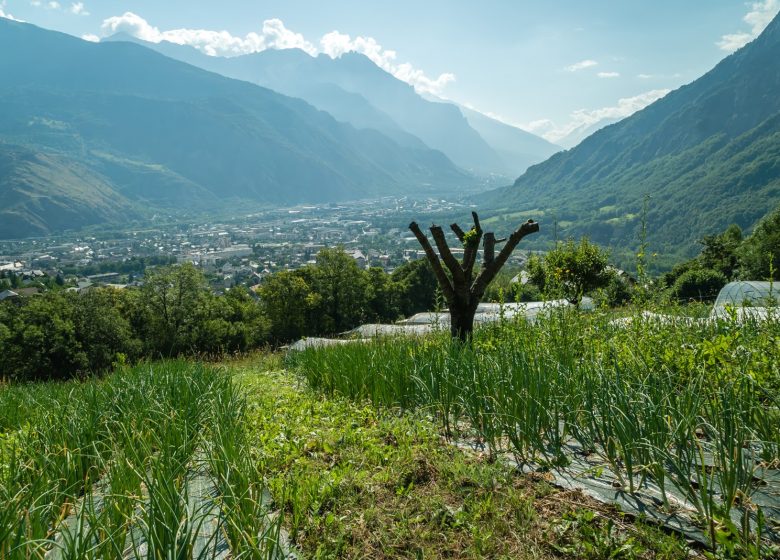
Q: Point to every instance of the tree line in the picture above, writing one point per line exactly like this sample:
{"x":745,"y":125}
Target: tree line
{"x":62,"y":334}
{"x":728,"y":256}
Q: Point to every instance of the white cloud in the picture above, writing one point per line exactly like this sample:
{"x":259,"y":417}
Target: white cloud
{"x":674,"y":76}
{"x":275,"y":35}
{"x":6,"y":15}
{"x":334,"y":44}
{"x":78,"y":9}
{"x":581,"y":65}
{"x":608,"y":74}
{"x":53,"y":5}
{"x":91,"y":38}
{"x":583,"y":118}
{"x":759,"y":16}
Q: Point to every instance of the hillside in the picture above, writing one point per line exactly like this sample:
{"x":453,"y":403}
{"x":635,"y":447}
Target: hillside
{"x":40,"y":193}
{"x":165,"y":134}
{"x":708,"y":154}
{"x":354,"y":90}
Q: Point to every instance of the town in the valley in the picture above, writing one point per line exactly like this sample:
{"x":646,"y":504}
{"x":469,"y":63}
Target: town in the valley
{"x":237,"y":250}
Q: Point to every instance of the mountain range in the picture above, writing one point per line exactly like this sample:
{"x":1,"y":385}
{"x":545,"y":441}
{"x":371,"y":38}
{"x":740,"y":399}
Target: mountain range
{"x":704,"y":156}
{"x":355,"y":90}
{"x":116,"y":130}
{"x":102,"y":133}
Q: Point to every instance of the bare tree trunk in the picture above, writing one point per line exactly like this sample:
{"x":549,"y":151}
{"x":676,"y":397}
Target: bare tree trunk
{"x":462,"y":292}
{"x":462,"y":320}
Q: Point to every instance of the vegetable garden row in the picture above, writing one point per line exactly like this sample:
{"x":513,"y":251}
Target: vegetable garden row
{"x":690,"y":408}
{"x":150,"y":462}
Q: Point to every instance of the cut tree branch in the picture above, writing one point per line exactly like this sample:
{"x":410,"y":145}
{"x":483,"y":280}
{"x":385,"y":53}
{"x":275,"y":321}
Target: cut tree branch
{"x":441,"y":276}
{"x":458,"y":232}
{"x":476,"y":222}
{"x":470,"y":250}
{"x":488,"y":249}
{"x":489,"y":272}
{"x":447,"y":256}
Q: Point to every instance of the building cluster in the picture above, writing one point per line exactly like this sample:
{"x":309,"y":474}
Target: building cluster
{"x":238,"y":250}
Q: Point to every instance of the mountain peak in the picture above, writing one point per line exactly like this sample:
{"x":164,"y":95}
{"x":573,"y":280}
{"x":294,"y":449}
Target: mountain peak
{"x":123,"y":36}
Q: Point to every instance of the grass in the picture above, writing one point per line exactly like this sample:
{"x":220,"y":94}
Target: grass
{"x":653,"y":400}
{"x":93,"y":469}
{"x":348,"y":450}
{"x":354,"y":481}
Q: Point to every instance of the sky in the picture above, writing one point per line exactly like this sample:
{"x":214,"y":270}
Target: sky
{"x":548,"y":66}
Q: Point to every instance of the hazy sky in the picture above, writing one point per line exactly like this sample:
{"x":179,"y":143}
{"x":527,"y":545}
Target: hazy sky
{"x":544,"y":65}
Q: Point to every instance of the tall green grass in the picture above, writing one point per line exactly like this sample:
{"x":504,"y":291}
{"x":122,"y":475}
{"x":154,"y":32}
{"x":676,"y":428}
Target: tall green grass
{"x":692,"y":405}
{"x":100,"y":468}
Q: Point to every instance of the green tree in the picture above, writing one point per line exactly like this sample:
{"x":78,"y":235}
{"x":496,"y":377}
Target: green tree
{"x":342,"y":287}
{"x":721,"y":252}
{"x":761,"y":251}
{"x":231,"y":323}
{"x":383,"y":296}
{"x":171,"y":297}
{"x":570,"y":269}
{"x":41,"y":340}
{"x":102,"y":330}
{"x":288,"y":301}
{"x":416,"y":285}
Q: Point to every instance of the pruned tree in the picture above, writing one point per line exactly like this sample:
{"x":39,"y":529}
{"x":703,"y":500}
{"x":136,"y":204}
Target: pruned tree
{"x":462,"y":290}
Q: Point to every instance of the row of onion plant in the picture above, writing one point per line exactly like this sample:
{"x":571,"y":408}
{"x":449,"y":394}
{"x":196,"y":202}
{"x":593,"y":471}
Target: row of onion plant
{"x":691,"y":404}
{"x":124,"y":465}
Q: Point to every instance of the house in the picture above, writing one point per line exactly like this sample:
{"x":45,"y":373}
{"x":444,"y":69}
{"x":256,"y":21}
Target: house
{"x":359,"y":257}
{"x":8,"y":294}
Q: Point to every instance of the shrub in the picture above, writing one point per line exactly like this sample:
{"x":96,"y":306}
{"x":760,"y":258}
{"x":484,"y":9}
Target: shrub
{"x":701,"y":284}
{"x":570,"y":270}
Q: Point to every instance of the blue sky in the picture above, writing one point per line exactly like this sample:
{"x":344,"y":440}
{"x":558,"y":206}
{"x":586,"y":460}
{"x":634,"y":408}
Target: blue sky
{"x":545,"y":65}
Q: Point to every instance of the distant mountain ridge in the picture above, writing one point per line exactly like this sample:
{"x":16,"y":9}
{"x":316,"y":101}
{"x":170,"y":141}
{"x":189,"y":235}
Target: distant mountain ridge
{"x":518,"y":148}
{"x":708,"y":154}
{"x":159,"y":133}
{"x":354,"y":90}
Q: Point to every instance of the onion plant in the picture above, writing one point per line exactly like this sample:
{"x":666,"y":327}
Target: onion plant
{"x":689,"y":405}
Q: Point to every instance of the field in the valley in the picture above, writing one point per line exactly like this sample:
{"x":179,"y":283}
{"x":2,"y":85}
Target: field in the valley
{"x":411,"y":448}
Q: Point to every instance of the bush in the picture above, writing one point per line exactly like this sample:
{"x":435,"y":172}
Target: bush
{"x":700,"y":284}
{"x":571,"y":270}
{"x":66,"y":334}
{"x":616,"y":292}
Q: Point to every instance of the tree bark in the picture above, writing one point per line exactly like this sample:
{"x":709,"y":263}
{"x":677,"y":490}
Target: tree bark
{"x":462,"y":320}
{"x":462,"y":292}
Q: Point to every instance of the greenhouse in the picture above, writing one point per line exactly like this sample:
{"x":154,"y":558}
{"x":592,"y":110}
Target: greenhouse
{"x":748,"y":294}
{"x":750,"y":298}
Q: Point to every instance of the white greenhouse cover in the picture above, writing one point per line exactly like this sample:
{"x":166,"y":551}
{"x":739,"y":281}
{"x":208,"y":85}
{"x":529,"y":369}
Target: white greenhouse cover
{"x":748,"y":294}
